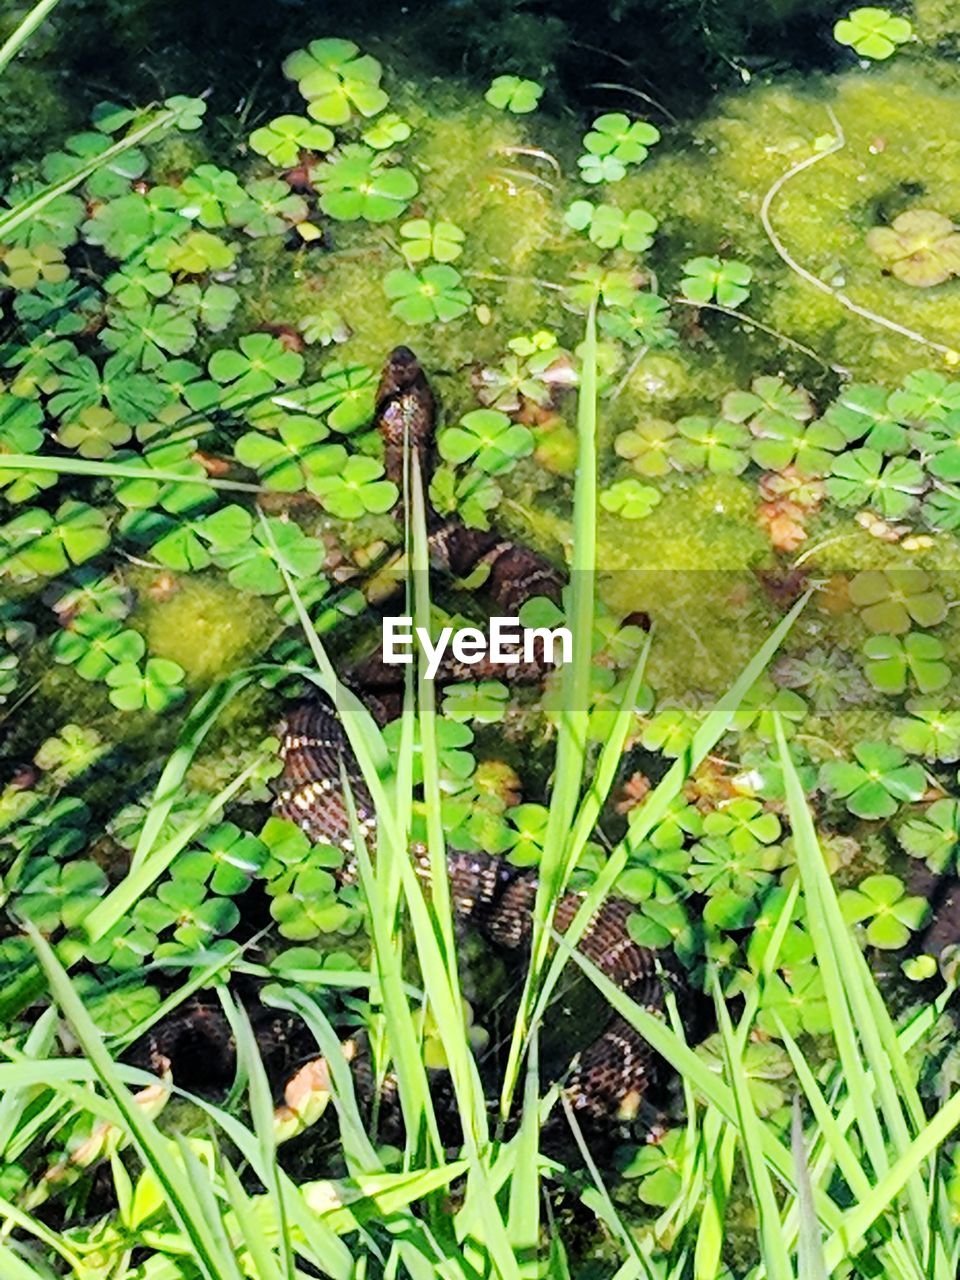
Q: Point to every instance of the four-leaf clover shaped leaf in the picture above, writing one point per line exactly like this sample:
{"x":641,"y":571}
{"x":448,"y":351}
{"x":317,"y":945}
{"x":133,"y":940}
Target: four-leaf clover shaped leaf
{"x":934,"y":834}
{"x":890,"y":600}
{"x":436,"y":292}
{"x":890,"y":660}
{"x":932,"y":730}
{"x":879,"y":781}
{"x":153,"y":688}
{"x":335,"y":78}
{"x":489,"y":438}
{"x":511,"y":93}
{"x":630,"y":499}
{"x":255,"y":565}
{"x":873,"y":32}
{"x":94,"y":645}
{"x":723,"y":279}
{"x":484,"y":701}
{"x":893,"y":916}
{"x":282,"y":139}
{"x":356,"y":489}
{"x":421,"y":239}
{"x":862,"y":478}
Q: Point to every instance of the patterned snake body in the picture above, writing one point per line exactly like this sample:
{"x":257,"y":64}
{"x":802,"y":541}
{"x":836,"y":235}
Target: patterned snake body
{"x":610,"y":1077}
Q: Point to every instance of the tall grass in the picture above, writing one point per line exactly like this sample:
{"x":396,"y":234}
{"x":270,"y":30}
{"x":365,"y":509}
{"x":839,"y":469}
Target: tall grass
{"x":861,"y":1173}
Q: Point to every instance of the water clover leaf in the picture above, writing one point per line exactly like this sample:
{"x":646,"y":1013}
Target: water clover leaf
{"x":452,"y":740}
{"x":874,"y":33}
{"x":137,"y":283}
{"x":643,"y":321}
{"x":386,"y":132}
{"x":43,"y":544}
{"x":630,"y":499}
{"x":659,"y":925}
{"x":225,"y":859}
{"x":346,"y":393}
{"x":877,"y":783}
{"x":760,"y":706}
{"x":335,"y":78}
{"x":154,"y":688}
{"x":890,"y":660}
{"x":890,"y":600}
{"x":325,"y":327}
{"x":307,"y":906}
{"x":715,"y":444}
{"x":183,"y":906}
{"x":94,"y":645}
{"x":188,"y":112}
{"x":361,"y":185}
{"x":744,"y":824}
{"x":209,"y":194}
{"x":87,"y":590}
{"x":488,"y":438}
{"x":188,"y":543}
{"x":286,"y":464}
{"x":56,"y":223}
{"x":861,"y":478}
{"x":147,"y":335}
{"x":925,"y":396}
{"x":261,"y":363}
{"x":670,"y":731}
{"x":61,"y":894}
{"x":596,"y":169}
{"x":934,"y":835}
{"x":529,"y":823}
{"x":435,"y":293}
{"x":255,"y":565}
{"x":282,"y":139}
{"x":356,"y":489}
{"x":769,"y":400}
{"x":20,"y":433}
{"x":932,"y":730}
{"x":893,"y":916}
{"x":731,"y":879}
{"x":71,"y":753}
{"x":421,"y":239}
{"x":795,"y":999}
{"x":269,"y":209}
{"x":25,"y":267}
{"x":474,"y":494}
{"x":511,"y":93}
{"x":784,"y":442}
{"x":94,"y":433}
{"x":197,"y":252}
{"x":921,"y":247}
{"x":485,"y":701}
{"x":658,"y":1166}
{"x":647,"y":446}
{"x":177,"y":458}
{"x":608,"y":226}
{"x":723,"y":279}
{"x":616,"y":136}
{"x":132,"y":396}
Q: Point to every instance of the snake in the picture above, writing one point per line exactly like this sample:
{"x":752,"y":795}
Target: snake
{"x":609,"y":1078}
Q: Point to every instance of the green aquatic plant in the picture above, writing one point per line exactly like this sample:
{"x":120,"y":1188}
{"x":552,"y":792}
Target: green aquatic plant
{"x":931,"y":730}
{"x":488,"y":439}
{"x":711,"y":444}
{"x":71,"y":753}
{"x":154,"y":687}
{"x":882,"y":905}
{"x":484,"y":701}
{"x":359,"y":184}
{"x":297,"y":454}
{"x":511,"y":93}
{"x":878,"y":782}
{"x":861,"y":478}
{"x":436,"y":293}
{"x":890,"y":601}
{"x":723,"y":279}
{"x":609,"y":227}
{"x":93,"y":645}
{"x":258,"y":564}
{"x":921,"y":247}
{"x":336,"y":79}
{"x":873,"y":33}
{"x":892,"y":661}
{"x":933,"y":834}
{"x":282,"y":139}
{"x":421,"y":240}
{"x":356,"y":489}
{"x":630,"y":499}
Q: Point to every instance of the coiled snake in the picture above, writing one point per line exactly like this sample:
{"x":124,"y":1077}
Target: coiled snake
{"x":610,"y":1077}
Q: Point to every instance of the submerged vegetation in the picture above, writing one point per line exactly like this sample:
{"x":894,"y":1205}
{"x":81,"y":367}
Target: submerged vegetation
{"x":706,"y":363}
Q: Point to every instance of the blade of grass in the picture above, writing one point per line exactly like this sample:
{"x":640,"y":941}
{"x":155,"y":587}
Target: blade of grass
{"x":811,"y":1263}
{"x":24,"y":30}
{"x":555,"y":866}
{"x":523,"y":1215}
{"x":773,"y":1250}
{"x":659,"y":800}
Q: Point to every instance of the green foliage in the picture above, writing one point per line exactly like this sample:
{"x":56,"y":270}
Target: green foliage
{"x":723,"y":279}
{"x":436,"y":293}
{"x":891,"y":600}
{"x":336,"y":80}
{"x":877,"y":784}
{"x":874,"y":33}
{"x":883,"y":902}
{"x":154,"y":687}
{"x":921,"y":247}
{"x":511,"y":93}
{"x":630,"y":499}
{"x":608,"y":227}
{"x":354,"y":490}
{"x":613,"y":144}
{"x":359,"y":184}
{"x":891,"y":661}
{"x":488,"y":438}
{"x":282,"y":139}
{"x":421,"y":240}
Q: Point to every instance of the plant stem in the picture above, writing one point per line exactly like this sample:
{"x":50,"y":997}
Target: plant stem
{"x":15,"y":42}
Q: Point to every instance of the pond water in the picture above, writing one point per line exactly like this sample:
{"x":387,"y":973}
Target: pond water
{"x":686,"y":288}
